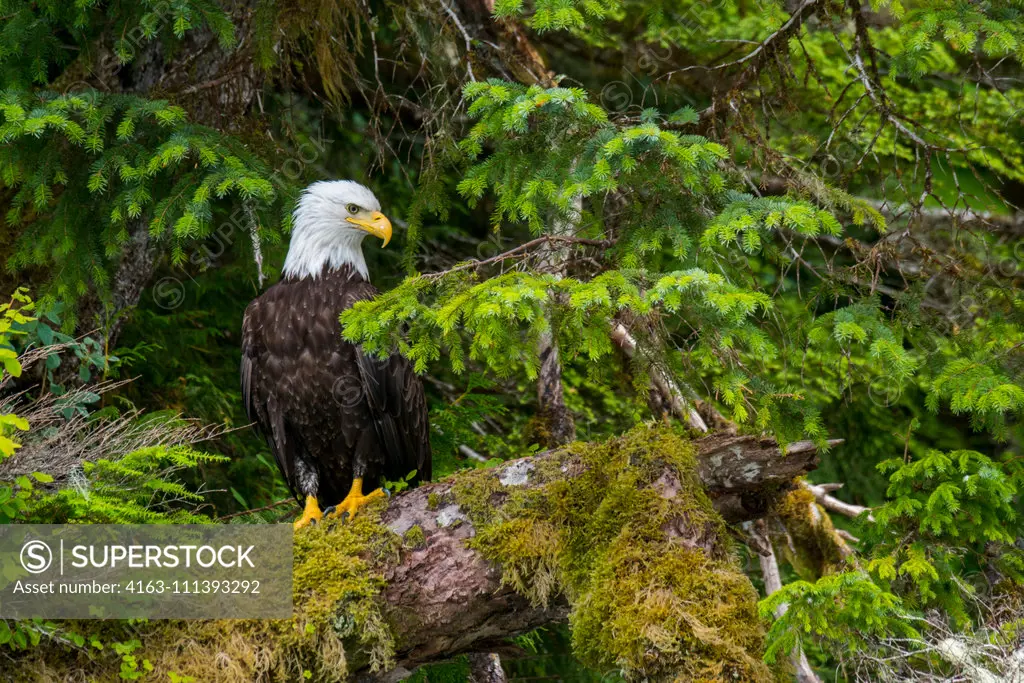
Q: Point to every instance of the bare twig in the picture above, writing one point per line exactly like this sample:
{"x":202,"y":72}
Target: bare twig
{"x":773,"y":583}
{"x":518,"y":251}
{"x":783,"y":33}
{"x":465,"y":36}
{"x":681,"y":408}
{"x":256,"y":510}
{"x":833,"y":504}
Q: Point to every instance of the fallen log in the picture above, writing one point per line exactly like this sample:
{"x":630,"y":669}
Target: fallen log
{"x":625,"y":539}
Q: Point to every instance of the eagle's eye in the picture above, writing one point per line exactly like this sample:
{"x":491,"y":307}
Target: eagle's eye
{"x":352,"y":209}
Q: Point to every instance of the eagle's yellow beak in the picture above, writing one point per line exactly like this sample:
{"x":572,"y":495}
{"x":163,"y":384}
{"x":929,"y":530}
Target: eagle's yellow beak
{"x":378,"y":225}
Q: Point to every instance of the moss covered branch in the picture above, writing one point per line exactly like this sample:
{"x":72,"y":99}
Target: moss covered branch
{"x":626,"y":539}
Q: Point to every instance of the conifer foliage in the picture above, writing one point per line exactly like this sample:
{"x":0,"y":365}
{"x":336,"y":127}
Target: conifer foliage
{"x":798,"y":220}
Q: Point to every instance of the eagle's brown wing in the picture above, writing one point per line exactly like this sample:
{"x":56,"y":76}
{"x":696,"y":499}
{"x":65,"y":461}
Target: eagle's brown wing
{"x":399,"y":409}
{"x":262,"y":409}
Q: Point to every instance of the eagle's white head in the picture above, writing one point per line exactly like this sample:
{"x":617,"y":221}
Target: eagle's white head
{"x":328,"y":227}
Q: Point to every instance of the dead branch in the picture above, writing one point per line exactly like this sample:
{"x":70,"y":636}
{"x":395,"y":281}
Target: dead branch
{"x":831,"y":503}
{"x":772,"y":583}
{"x":663,"y":383}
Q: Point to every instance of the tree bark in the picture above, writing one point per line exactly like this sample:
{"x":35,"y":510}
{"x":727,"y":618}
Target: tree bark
{"x":505,"y":44}
{"x":512,"y":53}
{"x":558,"y":426}
{"x":485,"y":667}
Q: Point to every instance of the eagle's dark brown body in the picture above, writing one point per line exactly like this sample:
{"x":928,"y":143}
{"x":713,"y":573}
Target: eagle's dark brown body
{"x":329,"y":412}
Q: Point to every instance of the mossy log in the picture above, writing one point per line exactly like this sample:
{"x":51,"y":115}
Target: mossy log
{"x":448,"y":598}
{"x":626,"y":539}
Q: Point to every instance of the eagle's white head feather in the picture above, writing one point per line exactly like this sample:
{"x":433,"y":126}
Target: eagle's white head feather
{"x":328,"y":227}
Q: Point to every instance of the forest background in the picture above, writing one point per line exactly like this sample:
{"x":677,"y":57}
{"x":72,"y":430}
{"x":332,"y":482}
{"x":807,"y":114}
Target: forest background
{"x":794,"y":220}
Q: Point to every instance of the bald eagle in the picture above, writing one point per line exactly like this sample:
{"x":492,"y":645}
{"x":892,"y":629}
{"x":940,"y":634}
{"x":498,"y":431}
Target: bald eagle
{"x":334,"y":417}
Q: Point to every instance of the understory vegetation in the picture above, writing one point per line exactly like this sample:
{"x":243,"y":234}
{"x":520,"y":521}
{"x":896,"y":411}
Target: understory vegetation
{"x":619,"y":227}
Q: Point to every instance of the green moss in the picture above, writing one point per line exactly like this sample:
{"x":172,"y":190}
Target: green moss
{"x":414,"y":537}
{"x":335,"y":586}
{"x":813,"y":549}
{"x":634,"y":545}
{"x":529,"y":554}
{"x":337,"y":626}
{"x":478,"y":493}
{"x":433,"y":500}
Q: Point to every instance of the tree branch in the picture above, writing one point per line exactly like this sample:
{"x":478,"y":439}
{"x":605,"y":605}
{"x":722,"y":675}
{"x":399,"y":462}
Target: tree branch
{"x":663,"y":384}
{"x":447,"y":599}
{"x":459,"y":566}
{"x":833,"y":504}
{"x":772,"y":583}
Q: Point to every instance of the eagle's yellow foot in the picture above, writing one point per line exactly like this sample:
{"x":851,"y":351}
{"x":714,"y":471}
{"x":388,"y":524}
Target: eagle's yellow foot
{"x":309,"y":515}
{"x":354,"y":500}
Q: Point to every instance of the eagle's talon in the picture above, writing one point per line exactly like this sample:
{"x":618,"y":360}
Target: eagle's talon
{"x":310,"y":515}
{"x":347,"y":509}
